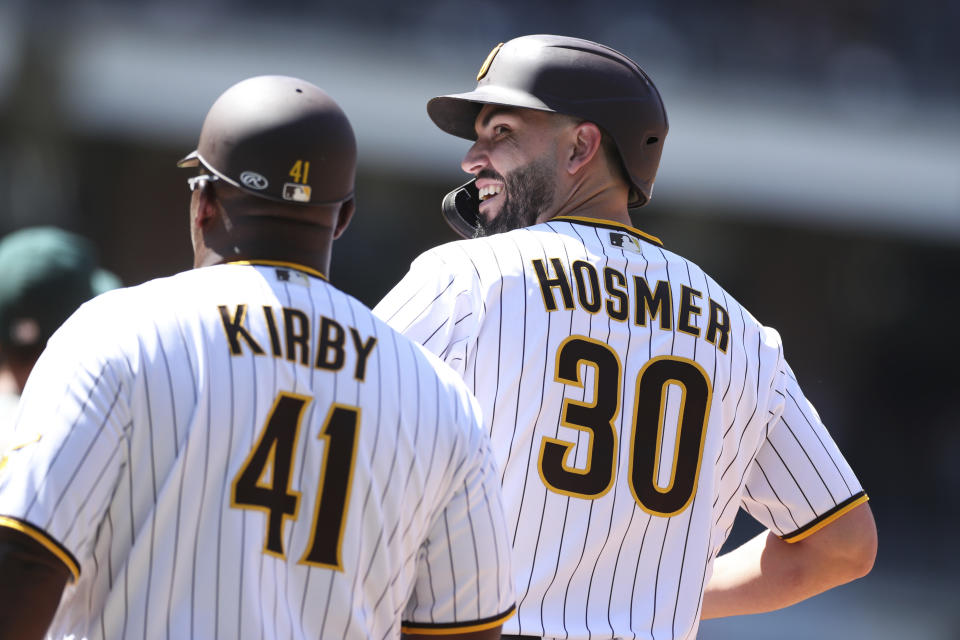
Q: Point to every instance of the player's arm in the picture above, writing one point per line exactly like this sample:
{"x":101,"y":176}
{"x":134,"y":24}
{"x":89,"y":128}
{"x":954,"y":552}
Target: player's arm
{"x":768,"y":573}
{"x":477,"y":529}
{"x":62,"y":473}
{"x":464,"y":586}
{"x":820,"y":531}
{"x":32,"y":580}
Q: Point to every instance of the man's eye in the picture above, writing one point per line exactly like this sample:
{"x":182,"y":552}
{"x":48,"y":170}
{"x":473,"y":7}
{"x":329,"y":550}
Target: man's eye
{"x":500,"y":130}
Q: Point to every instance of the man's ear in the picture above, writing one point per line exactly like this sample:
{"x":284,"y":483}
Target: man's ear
{"x":207,"y":207}
{"x":344,"y":216}
{"x":586,"y":138}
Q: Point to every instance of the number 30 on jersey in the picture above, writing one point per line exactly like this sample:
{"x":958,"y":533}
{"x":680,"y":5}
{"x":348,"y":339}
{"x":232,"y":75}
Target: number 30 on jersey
{"x":597,"y":420}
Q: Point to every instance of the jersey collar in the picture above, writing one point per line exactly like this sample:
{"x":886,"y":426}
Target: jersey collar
{"x":610,"y":224}
{"x":279,"y":263}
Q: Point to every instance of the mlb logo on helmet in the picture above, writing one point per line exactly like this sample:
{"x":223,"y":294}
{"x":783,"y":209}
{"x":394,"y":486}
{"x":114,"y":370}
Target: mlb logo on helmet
{"x":296,"y":192}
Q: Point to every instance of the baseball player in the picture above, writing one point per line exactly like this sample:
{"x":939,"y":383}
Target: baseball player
{"x":242,"y":450}
{"x":633,"y":404}
{"x":47,"y":274}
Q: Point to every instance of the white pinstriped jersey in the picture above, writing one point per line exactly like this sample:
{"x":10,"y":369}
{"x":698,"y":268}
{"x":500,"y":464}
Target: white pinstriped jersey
{"x":244,"y":451}
{"x":633,"y":406}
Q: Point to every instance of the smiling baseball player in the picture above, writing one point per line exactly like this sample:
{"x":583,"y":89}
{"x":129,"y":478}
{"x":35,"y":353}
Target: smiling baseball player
{"x":633,"y":404}
{"x":242,"y":450}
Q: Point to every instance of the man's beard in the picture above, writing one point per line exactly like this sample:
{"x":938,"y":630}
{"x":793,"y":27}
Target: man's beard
{"x":527,"y":192}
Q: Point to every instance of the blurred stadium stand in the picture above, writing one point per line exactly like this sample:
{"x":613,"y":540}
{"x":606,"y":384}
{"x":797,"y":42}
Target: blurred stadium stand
{"x":812,"y":166}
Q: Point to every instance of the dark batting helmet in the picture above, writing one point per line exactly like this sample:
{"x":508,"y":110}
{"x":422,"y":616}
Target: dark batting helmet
{"x":279,"y":138}
{"x":569,"y":76}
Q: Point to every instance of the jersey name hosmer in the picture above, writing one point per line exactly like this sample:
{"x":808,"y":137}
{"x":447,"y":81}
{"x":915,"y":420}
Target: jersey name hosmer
{"x":618,"y":298}
{"x":292,"y":338}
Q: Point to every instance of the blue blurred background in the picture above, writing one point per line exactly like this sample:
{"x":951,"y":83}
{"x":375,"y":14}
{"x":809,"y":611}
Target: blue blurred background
{"x":812,"y":167}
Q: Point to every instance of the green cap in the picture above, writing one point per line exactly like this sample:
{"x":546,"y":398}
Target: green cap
{"x":45,"y":274}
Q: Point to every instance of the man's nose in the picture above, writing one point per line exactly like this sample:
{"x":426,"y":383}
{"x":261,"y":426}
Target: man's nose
{"x":475,"y":160}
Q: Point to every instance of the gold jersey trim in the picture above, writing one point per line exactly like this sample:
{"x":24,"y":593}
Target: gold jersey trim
{"x":279,"y":263}
{"x":610,"y":224}
{"x":46,"y":541}
{"x":447,"y":628}
{"x":814,"y":526}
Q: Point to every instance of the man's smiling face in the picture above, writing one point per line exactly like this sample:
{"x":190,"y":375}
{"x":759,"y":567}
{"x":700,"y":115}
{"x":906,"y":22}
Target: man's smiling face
{"x":515,"y":162}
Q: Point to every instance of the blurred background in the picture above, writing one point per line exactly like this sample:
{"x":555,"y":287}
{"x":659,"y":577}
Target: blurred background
{"x":812,"y":167}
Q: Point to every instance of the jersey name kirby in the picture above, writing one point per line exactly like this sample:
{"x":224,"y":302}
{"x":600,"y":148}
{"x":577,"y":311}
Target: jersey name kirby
{"x":619,"y":298}
{"x":290,"y":336}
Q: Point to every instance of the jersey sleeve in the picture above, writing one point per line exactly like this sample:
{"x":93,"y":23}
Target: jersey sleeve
{"x":437,"y":304}
{"x":67,"y":449}
{"x":799,"y":481}
{"x":464,"y":577}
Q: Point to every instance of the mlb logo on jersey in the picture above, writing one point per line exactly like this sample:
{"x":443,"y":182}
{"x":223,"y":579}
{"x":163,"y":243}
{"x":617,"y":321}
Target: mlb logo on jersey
{"x":296,"y":277}
{"x":624,"y":241}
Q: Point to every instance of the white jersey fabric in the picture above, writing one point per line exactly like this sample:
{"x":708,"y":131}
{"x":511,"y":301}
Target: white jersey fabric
{"x":633,"y":406}
{"x":244,"y":451}
{"x":8,"y":411}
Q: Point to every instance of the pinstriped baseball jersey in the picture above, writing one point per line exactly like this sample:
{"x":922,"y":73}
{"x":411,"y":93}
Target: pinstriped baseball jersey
{"x":244,"y":451}
{"x":634,"y":406}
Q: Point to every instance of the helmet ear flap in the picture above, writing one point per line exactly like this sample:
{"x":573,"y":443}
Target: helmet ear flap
{"x":461,"y":209}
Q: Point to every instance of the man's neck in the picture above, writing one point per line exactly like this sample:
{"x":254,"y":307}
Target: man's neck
{"x":12,"y":379}
{"x":8,"y":384}
{"x":605,"y":204}
{"x":314,"y":259}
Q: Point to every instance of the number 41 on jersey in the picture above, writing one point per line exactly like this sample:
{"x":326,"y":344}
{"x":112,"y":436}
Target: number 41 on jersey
{"x":263,"y":482}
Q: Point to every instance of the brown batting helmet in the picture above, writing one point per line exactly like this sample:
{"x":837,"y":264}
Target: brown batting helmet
{"x":574,"y":77}
{"x":279,"y":138}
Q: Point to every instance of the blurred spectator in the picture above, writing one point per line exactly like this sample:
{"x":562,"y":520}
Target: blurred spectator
{"x":45,"y":274}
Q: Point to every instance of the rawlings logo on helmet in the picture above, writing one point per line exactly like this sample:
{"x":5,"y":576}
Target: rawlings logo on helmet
{"x":253,"y":180}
